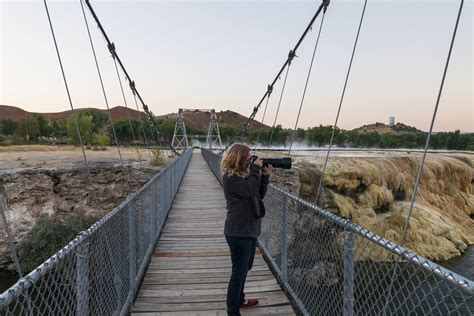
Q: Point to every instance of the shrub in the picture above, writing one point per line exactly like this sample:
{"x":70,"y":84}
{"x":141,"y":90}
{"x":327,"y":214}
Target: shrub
{"x":49,"y":235}
{"x":102,"y":140}
{"x":157,"y":158}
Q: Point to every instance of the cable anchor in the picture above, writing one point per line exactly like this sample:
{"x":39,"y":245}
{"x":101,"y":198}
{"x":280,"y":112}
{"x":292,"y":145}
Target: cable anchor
{"x":132,"y":86}
{"x":291,"y":55}
{"x":325,"y":4}
{"x":111,"y":47}
{"x":269,"y":89}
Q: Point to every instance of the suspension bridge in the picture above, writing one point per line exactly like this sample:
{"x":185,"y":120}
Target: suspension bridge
{"x":162,"y":250}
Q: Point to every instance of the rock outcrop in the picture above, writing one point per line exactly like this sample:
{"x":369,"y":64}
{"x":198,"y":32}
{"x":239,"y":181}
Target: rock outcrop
{"x":376,"y":193}
{"x":60,"y":192}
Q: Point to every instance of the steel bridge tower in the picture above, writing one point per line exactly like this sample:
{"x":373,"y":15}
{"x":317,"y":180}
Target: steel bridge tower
{"x":180,"y":138}
{"x":213,"y":139}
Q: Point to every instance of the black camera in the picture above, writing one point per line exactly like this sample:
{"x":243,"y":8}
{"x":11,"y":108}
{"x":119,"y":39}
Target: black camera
{"x":282,"y":163}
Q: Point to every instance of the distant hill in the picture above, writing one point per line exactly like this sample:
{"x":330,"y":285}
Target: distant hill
{"x":194,"y":119}
{"x":12,"y":112}
{"x":16,"y":114}
{"x":382,"y":128}
{"x":200,"y":119}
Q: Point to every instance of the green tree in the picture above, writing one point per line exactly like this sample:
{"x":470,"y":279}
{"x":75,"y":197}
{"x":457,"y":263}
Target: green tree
{"x":300,"y":135}
{"x":470,"y":142}
{"x":320,"y":135}
{"x":167,"y":128}
{"x":44,"y":126}
{"x":85,"y":127}
{"x":59,"y":128}
{"x":228,"y":131}
{"x":8,"y":126}
{"x":389,"y":140}
{"x":100,"y":120}
{"x":28,"y":128}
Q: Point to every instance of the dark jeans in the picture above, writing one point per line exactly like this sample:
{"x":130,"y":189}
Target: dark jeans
{"x":242,"y":253}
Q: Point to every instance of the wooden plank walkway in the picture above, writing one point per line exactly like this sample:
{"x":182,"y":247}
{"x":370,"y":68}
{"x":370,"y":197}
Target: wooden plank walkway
{"x":190,"y":269}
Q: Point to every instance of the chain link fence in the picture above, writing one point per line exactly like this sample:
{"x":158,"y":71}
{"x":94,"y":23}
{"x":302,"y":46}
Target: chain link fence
{"x":99,"y":272}
{"x":331,"y":266}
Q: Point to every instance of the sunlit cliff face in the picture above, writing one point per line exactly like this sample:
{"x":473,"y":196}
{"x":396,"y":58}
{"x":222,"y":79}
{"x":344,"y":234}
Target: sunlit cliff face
{"x":376,"y":193}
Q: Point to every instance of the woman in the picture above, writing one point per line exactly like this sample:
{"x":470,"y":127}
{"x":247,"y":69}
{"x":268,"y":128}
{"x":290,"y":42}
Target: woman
{"x":244,"y":188}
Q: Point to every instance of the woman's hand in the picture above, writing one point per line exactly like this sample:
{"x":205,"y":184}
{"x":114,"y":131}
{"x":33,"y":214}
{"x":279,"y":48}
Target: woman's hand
{"x":267,"y":170}
{"x":258,"y":162}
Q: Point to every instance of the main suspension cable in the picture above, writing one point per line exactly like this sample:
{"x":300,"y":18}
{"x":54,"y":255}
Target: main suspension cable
{"x":340,"y":104}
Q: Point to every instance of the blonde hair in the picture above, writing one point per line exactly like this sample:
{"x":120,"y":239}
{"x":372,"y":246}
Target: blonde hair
{"x":234,"y":160}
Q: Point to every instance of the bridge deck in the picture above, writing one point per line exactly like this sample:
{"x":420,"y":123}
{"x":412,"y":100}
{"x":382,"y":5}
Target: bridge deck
{"x":190,"y":268}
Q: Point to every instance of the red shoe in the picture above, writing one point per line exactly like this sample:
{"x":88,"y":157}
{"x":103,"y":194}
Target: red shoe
{"x":249,"y":303}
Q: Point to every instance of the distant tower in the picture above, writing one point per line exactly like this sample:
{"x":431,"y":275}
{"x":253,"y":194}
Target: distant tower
{"x":180,"y":138}
{"x":391,"y":120}
{"x":213,"y":134}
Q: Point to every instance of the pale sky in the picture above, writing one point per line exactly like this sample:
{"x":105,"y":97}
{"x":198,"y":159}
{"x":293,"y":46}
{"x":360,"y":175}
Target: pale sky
{"x":222,"y":55}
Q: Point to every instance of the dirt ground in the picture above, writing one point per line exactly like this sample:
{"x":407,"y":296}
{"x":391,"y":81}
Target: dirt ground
{"x":47,"y":156}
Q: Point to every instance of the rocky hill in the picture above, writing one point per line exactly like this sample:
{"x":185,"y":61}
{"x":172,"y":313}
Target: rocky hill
{"x":198,"y":119}
{"x":16,"y":114}
{"x":382,"y":128}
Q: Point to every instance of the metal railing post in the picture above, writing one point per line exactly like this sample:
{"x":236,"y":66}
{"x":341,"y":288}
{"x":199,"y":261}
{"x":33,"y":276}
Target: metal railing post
{"x":153,"y":213}
{"x":82,"y":280}
{"x":348,"y":292}
{"x":162,"y":203}
{"x":284,"y":243}
{"x":132,"y":249}
{"x":168,"y":198}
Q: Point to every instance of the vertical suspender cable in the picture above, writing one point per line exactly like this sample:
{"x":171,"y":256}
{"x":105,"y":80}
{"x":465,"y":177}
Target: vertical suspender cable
{"x":278,"y":110}
{"x":306,"y":84}
{"x":340,"y":104}
{"x":420,"y":170}
{"x":425,"y":151}
{"x":263,"y":119}
{"x":70,"y":102}
{"x":106,"y":100}
{"x":126,"y":107}
{"x":142,"y":123}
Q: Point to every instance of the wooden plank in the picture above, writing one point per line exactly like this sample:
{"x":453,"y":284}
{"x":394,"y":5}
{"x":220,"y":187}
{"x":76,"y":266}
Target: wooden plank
{"x":276,"y":297}
{"x":284,"y":310}
{"x":199,"y":265}
{"x":198,"y":286}
{"x":197,"y":306}
{"x":159,"y":280}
